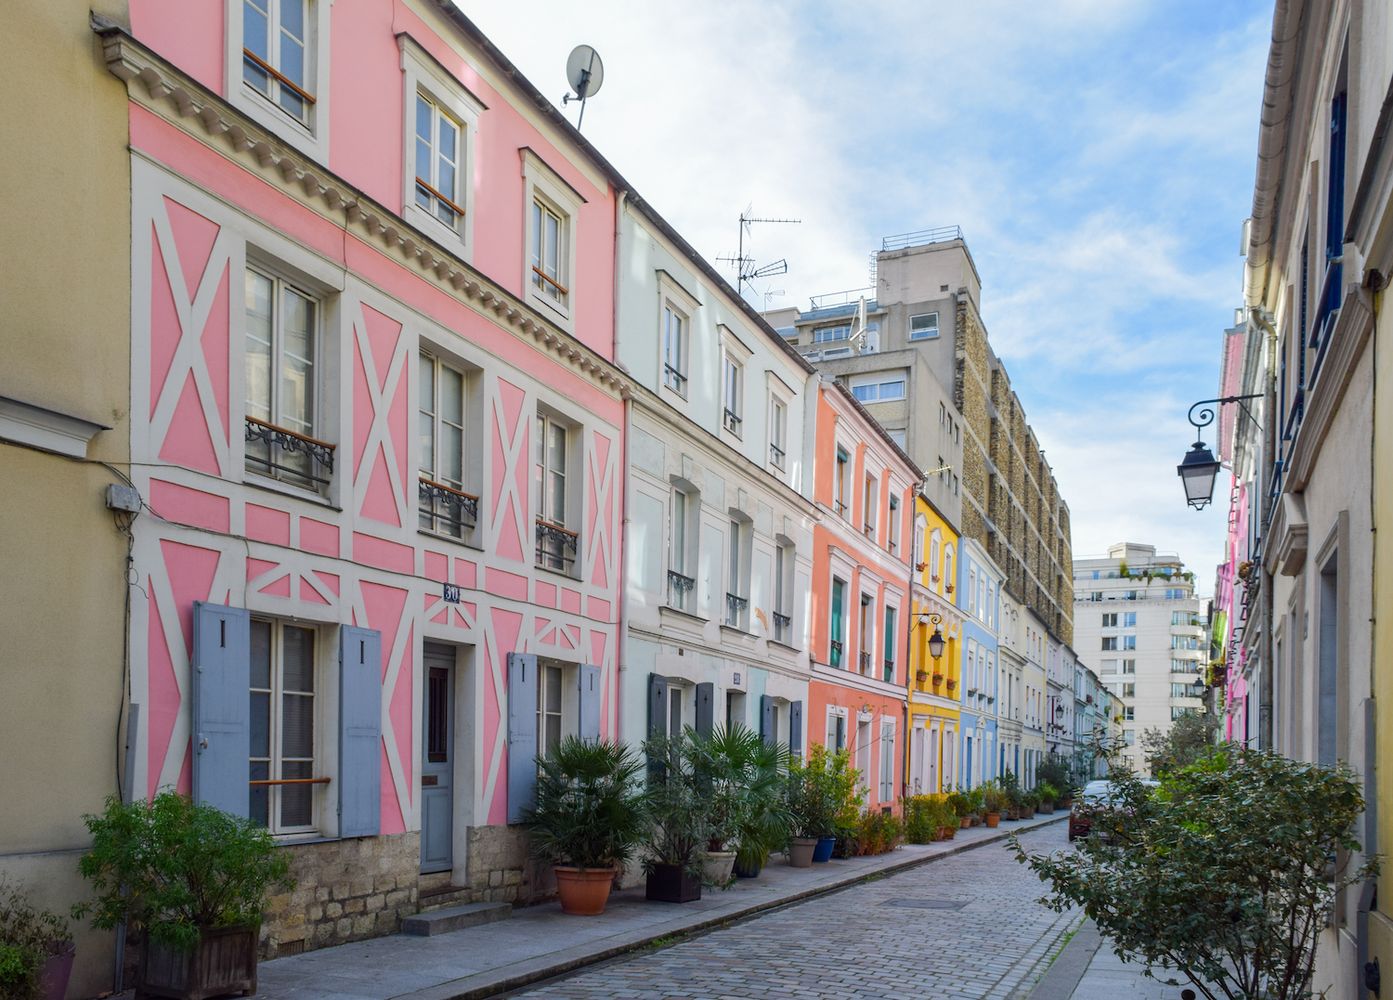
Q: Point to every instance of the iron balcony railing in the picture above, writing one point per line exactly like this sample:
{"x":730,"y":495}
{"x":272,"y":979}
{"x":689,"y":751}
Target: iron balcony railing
{"x":674,"y":379}
{"x":445,"y":509}
{"x":834,"y":653}
{"x":865,"y":662}
{"x":288,"y":456}
{"x":732,"y":421}
{"x":679,"y":587}
{"x":557,"y":546}
{"x":735,"y":610}
{"x":776,"y":455}
{"x":890,"y":670}
{"x":783,"y":627}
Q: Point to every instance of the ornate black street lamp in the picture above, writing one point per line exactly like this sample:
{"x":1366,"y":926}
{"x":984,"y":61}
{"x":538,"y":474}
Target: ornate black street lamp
{"x":1199,"y":467}
{"x":935,"y":640}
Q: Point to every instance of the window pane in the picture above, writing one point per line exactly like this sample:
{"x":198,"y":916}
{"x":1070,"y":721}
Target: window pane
{"x":424,"y":116}
{"x":297,"y":367}
{"x":258,"y":348}
{"x":556,"y":452}
{"x":536,"y":239}
{"x":259,"y":806}
{"x":553,"y":732}
{"x":451,"y":396}
{"x":552,"y":678}
{"x":449,"y":144}
{"x":293,"y":18}
{"x":452,"y":455}
{"x":297,"y":800}
{"x":261,"y":724}
{"x":297,"y":659}
{"x":552,"y":245}
{"x":297,"y":725}
{"x":261,"y":655}
{"x":425,"y":368}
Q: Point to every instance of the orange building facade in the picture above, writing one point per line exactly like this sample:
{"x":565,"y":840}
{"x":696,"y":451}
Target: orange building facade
{"x":864,"y":485}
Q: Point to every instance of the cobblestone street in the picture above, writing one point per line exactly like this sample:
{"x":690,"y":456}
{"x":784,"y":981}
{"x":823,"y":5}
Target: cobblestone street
{"x":963,"y":927}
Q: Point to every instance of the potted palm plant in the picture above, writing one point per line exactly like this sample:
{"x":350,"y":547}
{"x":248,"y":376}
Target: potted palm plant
{"x":193,"y":880}
{"x":36,"y":949}
{"x":742,"y":778}
{"x":1048,"y":794}
{"x":680,"y":823}
{"x":588,"y":819}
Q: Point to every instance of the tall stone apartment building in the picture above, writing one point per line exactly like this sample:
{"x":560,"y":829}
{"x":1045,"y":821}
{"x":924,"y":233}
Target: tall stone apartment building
{"x":914,"y":350}
{"x":1139,"y":621}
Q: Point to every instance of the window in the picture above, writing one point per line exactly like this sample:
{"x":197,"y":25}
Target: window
{"x":1129,"y":737}
{"x":438,"y":152}
{"x":867,"y":629}
{"x":1129,"y":642}
{"x":681,"y":582}
{"x":836,"y":729}
{"x":282,"y":335}
{"x":778,"y":432}
{"x":890,"y":639}
{"x":732,"y":394}
{"x":1129,"y":713}
{"x":1129,"y":689}
{"x":1110,"y":643}
{"x":1192,"y":690}
{"x":838,"y":623}
{"x":1184,"y":642}
{"x":737,"y":592}
{"x":444,"y":507}
{"x":282,"y":725}
{"x":878,"y":389}
{"x":556,"y":544}
{"x":1129,"y":666}
{"x":840,"y":484}
{"x":898,"y":435}
{"x":827,"y":334}
{"x":887,"y":760}
{"x":548,"y":708}
{"x":1110,"y":620}
{"x":275,"y":53}
{"x":674,"y":711}
{"x":972,"y":592}
{"x":924,"y":326}
{"x":933,"y":556}
{"x":1129,"y":619}
{"x":948,"y":576}
{"x":674,"y":349}
{"x":892,"y":531}
{"x":552,"y":208}
{"x":1180,"y":666}
{"x":1179,"y":713}
{"x":863,"y":755}
{"x":783,"y":592}
{"x":735,"y":709}
{"x":869,"y":508}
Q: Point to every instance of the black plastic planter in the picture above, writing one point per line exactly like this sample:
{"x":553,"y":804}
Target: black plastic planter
{"x":670,"y":884}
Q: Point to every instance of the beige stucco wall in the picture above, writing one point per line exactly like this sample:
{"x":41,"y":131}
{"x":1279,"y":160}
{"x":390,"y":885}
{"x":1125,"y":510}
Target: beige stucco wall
{"x":64,"y":336}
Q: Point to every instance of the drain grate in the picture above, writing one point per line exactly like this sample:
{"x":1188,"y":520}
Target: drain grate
{"x":926,"y":904}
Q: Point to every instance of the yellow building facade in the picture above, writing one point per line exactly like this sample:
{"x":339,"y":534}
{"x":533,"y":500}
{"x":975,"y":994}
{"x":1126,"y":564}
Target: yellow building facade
{"x":934,"y":682}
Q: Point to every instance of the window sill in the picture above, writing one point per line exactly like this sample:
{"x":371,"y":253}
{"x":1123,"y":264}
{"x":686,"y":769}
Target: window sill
{"x":456,"y":239}
{"x":573,"y":576}
{"x":302,"y":839}
{"x":785,"y":646}
{"x":561,"y":314}
{"x":259,"y":482}
{"x":737,"y":632}
{"x":467,"y":543}
{"x":691,"y":616}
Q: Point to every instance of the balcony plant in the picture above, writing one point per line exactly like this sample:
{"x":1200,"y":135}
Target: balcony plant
{"x":589,"y":818}
{"x":36,"y":949}
{"x":193,"y":880}
{"x":680,"y":822}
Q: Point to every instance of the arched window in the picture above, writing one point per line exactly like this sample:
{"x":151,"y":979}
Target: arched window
{"x":935,"y":547}
{"x":919,"y":525}
{"x":948,"y":577}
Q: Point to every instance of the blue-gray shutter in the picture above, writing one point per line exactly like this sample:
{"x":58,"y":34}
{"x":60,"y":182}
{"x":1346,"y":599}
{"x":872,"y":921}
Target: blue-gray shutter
{"x":221,"y":707}
{"x":522,"y":735}
{"x":360,"y":732}
{"x":590,"y":703}
{"x":657,"y":705}
{"x":767,"y":730}
{"x":705,"y":708}
{"x":795,"y":728}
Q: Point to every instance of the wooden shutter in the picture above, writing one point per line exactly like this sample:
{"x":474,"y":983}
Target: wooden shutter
{"x":657,"y":705}
{"x":360,"y":732}
{"x":522,"y":735}
{"x":766,"y":719}
{"x":221,"y":678}
{"x":705,"y":708}
{"x":589,"y":703}
{"x":795,"y":728}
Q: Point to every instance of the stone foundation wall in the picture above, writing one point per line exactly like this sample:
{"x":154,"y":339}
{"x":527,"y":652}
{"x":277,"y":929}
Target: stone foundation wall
{"x":345,"y":890}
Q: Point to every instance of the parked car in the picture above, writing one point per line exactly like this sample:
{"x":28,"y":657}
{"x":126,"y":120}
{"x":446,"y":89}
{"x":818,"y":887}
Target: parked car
{"x":1097,"y":798}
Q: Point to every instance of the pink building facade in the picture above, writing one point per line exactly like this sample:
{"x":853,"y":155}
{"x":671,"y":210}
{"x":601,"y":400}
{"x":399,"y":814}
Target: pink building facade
{"x":378,"y":436}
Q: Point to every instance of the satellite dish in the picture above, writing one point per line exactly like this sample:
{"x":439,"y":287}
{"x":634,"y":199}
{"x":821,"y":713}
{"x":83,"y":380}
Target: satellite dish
{"x":585,"y":73}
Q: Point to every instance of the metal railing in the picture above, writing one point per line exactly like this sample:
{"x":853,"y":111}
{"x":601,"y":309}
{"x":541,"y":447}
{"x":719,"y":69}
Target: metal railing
{"x":556,"y":546}
{"x":674,"y":379}
{"x":776,"y":455}
{"x":865,"y":662}
{"x":783,"y":627}
{"x":732,"y":421}
{"x":445,"y":509}
{"x":829,"y":299}
{"x":921,"y":237}
{"x":288,"y":456}
{"x":678,"y":587}
{"x":735,"y":610}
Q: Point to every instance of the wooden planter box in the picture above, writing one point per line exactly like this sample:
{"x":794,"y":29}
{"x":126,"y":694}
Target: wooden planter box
{"x":671,"y":884}
{"x":222,"y":963}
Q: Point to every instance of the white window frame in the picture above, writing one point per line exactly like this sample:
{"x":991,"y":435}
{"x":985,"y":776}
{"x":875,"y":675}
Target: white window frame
{"x":778,"y":432}
{"x":879,"y":383}
{"x":924,"y":334}
{"x":866,"y":637}
{"x":312,"y":137}
{"x":864,"y":758}
{"x":543,"y":184}
{"x":422,"y":74}
{"x":321,"y":699}
{"x":735,"y":357}
{"x":887,"y":760}
{"x":673,"y":296}
{"x":835,"y":712}
{"x":569,"y":472}
{"x":870,"y":505}
{"x":427,"y":352}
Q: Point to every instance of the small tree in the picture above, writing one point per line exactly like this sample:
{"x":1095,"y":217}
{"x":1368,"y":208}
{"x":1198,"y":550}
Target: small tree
{"x":1224,"y":873}
{"x":1190,"y":738}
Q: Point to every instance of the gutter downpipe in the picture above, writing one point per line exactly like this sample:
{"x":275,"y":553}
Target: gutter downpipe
{"x":622,"y":640}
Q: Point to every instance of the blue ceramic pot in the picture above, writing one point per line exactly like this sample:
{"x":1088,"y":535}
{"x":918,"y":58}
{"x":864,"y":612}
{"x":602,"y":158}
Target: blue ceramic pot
{"x":823,"y":851}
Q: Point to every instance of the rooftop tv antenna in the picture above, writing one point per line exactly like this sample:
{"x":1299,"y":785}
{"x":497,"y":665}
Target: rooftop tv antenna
{"x":745,"y":270}
{"x":585,"y":73}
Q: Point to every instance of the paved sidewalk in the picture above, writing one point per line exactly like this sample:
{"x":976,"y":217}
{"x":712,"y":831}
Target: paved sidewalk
{"x":1088,"y":969}
{"x":539,"y":942}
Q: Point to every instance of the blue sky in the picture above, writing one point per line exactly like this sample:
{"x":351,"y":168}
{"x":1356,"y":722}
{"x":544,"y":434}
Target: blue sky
{"x":1098,"y":154}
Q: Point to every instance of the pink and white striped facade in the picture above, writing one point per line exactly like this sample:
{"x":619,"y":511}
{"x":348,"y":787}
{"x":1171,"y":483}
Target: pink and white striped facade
{"x":214,"y":189}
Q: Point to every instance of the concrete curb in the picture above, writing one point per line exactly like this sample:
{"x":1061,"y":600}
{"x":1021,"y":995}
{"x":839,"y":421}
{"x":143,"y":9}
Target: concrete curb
{"x":1064,"y":973}
{"x":529,"y":973}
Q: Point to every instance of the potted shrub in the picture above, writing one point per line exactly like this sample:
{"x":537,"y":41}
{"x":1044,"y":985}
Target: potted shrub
{"x":190,"y":878}
{"x":976,"y":805}
{"x":1047,"y":793}
{"x":807,"y":814}
{"x":837,"y":784}
{"x":1029,"y":800}
{"x":961,"y":807}
{"x":937,"y":678}
{"x":995,"y":802}
{"x":36,"y":949}
{"x":922,"y":675}
{"x":588,"y":819}
{"x":680,"y":826}
{"x":742,"y":778}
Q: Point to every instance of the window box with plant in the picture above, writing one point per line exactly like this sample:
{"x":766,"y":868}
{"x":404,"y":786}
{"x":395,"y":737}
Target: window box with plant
{"x":589,"y":819}
{"x":36,"y":949}
{"x":193,"y":881}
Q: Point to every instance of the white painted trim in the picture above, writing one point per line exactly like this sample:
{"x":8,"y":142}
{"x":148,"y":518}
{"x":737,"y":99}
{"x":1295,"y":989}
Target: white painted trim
{"x":541,"y":182}
{"x":47,"y":430}
{"x":312,"y":140}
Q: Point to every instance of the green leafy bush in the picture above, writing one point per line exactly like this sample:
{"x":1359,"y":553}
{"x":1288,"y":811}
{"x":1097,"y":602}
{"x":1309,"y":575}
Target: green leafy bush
{"x":1046,"y":792}
{"x":172,"y":868}
{"x":29,"y":937}
{"x":960,"y":804}
{"x":590,"y":809}
{"x":876,"y":832}
{"x":924,"y":816}
{"x":1225,"y":872}
{"x":823,"y":793}
{"x":742,"y":778}
{"x":995,"y":798}
{"x":678,"y":809}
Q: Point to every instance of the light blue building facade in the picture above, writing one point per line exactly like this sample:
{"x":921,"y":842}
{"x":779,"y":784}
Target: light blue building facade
{"x":979,"y":590}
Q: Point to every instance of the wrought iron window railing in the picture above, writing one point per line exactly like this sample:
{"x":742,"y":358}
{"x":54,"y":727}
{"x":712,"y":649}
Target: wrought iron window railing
{"x":557,"y":546}
{"x":890,"y":671}
{"x":674,"y":379}
{"x":783,"y":627}
{"x":865,"y":662}
{"x":732,"y":420}
{"x":776,"y":455}
{"x":834,"y":653}
{"x":288,"y":456}
{"x":839,"y":507}
{"x":445,"y":509}
{"x":679,"y":587}
{"x":735,"y":610}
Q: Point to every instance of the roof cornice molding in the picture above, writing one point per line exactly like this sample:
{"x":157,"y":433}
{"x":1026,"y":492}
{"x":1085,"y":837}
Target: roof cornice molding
{"x":155,"y":84}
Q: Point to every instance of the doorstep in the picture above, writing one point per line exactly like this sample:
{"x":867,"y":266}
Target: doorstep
{"x":540,"y":942}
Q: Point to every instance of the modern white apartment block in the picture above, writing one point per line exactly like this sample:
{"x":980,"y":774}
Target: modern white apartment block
{"x":1137,"y":619}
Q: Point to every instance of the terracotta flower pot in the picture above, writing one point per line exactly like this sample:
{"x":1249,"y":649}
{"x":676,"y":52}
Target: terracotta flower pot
{"x":993,"y":819}
{"x":583,"y":891}
{"x":964,"y":823}
{"x":947,"y":832}
{"x":800,"y":852}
